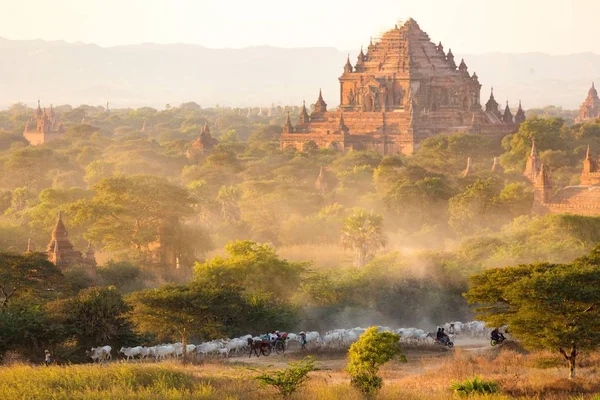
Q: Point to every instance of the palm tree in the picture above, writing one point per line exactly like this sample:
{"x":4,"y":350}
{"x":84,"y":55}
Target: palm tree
{"x":227,"y":199}
{"x":363,"y":232}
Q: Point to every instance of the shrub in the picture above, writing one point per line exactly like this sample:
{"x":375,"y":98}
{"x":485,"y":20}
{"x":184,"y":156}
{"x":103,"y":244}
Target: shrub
{"x":475,"y":385}
{"x":370,"y":352}
{"x":287,"y":381}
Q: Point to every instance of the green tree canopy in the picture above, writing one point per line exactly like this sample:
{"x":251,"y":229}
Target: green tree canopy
{"x":96,"y":316}
{"x":546,"y":306}
{"x":255,"y":267}
{"x":372,"y":350}
{"x":27,"y":275}
{"x":134,"y":212}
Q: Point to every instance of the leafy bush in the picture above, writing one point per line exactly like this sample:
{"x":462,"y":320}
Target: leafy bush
{"x":370,"y":352}
{"x":287,"y":381}
{"x":475,"y":385}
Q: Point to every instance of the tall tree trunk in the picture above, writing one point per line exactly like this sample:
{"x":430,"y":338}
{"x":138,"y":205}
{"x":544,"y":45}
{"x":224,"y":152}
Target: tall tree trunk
{"x":571,"y":358}
{"x":184,"y":350}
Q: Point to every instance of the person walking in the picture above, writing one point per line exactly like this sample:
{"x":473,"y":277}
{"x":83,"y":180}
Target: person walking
{"x":47,"y":357}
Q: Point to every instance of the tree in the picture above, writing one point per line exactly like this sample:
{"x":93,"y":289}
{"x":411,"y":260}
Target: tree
{"x":175,"y":310}
{"x":121,"y":274}
{"x":96,"y":316}
{"x":423,"y":201}
{"x":445,"y":153}
{"x":204,"y":312}
{"x":227,"y":198}
{"x":135,"y":213}
{"x":372,"y":350}
{"x":546,"y":306}
{"x":27,"y":328}
{"x":288,"y":381}
{"x":546,"y":132}
{"x":473,"y":209}
{"x":28,"y":274}
{"x":310,"y":148}
{"x":363,"y":232}
{"x":255,"y":267}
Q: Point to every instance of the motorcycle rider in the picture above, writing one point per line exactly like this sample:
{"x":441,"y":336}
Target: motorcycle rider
{"x":444,"y":337}
{"x":497,"y":335}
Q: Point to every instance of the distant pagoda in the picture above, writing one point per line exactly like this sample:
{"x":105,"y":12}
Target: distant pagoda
{"x":590,"y":109}
{"x":60,"y":250}
{"x":44,"y":127}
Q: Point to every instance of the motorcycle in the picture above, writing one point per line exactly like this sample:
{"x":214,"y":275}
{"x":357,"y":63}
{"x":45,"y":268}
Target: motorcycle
{"x":497,"y":340}
{"x":446,"y":342}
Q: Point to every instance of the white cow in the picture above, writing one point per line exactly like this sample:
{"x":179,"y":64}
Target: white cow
{"x":164,"y":351}
{"x":131,"y":352}
{"x":100,"y":354}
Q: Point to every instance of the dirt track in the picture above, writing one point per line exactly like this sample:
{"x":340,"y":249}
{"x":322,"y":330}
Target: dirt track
{"x":334,"y":360}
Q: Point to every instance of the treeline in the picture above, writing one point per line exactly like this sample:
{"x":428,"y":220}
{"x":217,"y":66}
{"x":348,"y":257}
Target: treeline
{"x":389,"y":238}
{"x":250,"y":290}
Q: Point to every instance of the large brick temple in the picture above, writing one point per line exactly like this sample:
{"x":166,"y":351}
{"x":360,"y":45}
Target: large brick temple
{"x":402,"y":90}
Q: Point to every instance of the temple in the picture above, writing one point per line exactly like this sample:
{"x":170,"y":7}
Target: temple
{"x":582,"y":199}
{"x":204,"y":144}
{"x":402,"y":90}
{"x":60,"y":250}
{"x":43,"y":127}
{"x":590,"y":109}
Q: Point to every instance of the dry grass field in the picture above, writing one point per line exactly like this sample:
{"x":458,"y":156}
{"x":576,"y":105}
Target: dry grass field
{"x":428,"y":374}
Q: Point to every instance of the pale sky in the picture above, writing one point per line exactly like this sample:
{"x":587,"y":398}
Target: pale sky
{"x":467,"y":26}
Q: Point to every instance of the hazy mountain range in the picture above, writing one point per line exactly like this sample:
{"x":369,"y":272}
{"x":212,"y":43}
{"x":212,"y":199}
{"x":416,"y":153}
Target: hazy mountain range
{"x":154,"y":75}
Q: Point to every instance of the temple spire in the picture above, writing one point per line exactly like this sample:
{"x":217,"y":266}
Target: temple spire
{"x":542,"y":191}
{"x":589,"y":165}
{"x":288,"y":127}
{"x":507,"y":118}
{"x":588,"y":156}
{"x":532,"y":168}
{"x":348,"y":66}
{"x":467,"y":170}
{"x":450,"y":59}
{"x":360,"y":61}
{"x":492,"y":105}
{"x":321,"y":182}
{"x":303,"y":118}
{"x":28,"y":246}
{"x":495,"y":165}
{"x":143,"y":127}
{"x":520,"y":116}
{"x":205,"y":128}
{"x":320,"y":105}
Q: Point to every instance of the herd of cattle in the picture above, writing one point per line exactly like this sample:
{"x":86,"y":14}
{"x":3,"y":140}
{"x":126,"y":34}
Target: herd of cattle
{"x":338,"y":338}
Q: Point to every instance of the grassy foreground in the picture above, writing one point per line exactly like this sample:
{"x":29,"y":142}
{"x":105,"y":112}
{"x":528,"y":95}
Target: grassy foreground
{"x":538,"y":376}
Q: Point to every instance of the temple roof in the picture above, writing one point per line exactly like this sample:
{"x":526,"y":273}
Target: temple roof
{"x":406,"y":48}
{"x":60,"y":230}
